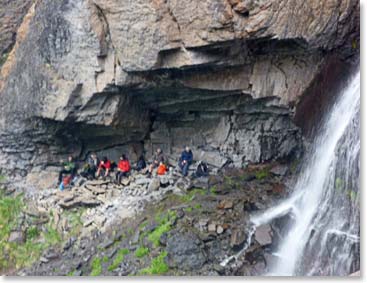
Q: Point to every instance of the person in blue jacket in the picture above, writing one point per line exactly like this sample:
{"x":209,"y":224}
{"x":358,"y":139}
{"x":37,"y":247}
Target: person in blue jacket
{"x":185,"y":160}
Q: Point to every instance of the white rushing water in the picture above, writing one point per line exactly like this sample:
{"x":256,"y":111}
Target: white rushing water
{"x":323,"y":238}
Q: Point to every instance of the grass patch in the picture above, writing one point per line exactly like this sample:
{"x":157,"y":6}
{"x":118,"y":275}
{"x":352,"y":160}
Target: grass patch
{"x":189,"y":209}
{"x":165,"y":222}
{"x":191,"y":195}
{"x":213,"y":190}
{"x":105,"y":259}
{"x":32,"y":233}
{"x":118,"y":259}
{"x":51,"y":236}
{"x":71,"y":273}
{"x":157,"y":266}
{"x":197,"y":206}
{"x":141,"y":252}
{"x":19,"y":255}
{"x":96,"y":267}
{"x":262,"y":174}
{"x":74,"y":219}
{"x":2,"y":178}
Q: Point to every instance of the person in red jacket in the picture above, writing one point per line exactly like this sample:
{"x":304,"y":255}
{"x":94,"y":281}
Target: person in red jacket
{"x":123,"y":168}
{"x":105,"y":166}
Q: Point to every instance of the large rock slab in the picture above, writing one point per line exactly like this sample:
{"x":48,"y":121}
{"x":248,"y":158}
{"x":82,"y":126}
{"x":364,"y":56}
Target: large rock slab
{"x":185,"y":252}
{"x":263,"y":235}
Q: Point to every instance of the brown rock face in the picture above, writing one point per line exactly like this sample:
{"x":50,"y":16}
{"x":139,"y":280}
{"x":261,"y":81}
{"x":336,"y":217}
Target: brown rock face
{"x":225,"y":76}
{"x":11,"y":16}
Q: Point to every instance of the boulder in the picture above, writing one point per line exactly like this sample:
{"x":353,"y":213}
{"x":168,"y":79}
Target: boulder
{"x":238,"y":237}
{"x":212,"y":227}
{"x":279,"y":170}
{"x":225,"y":204}
{"x":220,"y":229}
{"x":165,"y":181}
{"x":202,"y":182}
{"x":154,"y":184}
{"x":263,"y":235}
{"x":142,"y":181}
{"x":185,"y":251}
{"x":80,"y":201}
{"x":213,"y":158}
{"x":96,"y":189}
{"x":16,"y":237}
{"x":183,"y":184}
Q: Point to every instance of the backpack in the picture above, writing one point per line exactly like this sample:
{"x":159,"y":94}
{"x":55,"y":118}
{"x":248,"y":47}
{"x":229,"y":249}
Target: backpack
{"x":202,"y":170}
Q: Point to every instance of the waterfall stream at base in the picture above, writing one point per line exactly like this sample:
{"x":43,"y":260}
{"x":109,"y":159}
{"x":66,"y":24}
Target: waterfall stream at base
{"x":323,"y":237}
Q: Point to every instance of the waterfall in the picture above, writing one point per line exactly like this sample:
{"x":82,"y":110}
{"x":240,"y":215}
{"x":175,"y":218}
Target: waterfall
{"x":323,"y":238}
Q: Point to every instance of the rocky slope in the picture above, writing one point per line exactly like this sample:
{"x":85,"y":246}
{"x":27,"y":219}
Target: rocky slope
{"x":164,"y":225}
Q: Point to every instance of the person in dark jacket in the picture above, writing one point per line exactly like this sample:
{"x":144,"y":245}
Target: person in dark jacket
{"x":158,"y":158}
{"x":185,"y":160}
{"x":141,"y":164}
{"x":123,"y":168}
{"x":91,"y":167}
{"x":69,"y":167}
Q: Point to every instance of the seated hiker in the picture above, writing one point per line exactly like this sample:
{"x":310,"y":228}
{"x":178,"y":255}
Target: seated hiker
{"x":162,"y":169}
{"x":123,"y":168}
{"x":91,"y":167}
{"x":201,"y":170}
{"x":185,"y":160}
{"x":141,"y":164}
{"x":105,"y":166}
{"x":69,"y":167}
{"x":158,"y":158}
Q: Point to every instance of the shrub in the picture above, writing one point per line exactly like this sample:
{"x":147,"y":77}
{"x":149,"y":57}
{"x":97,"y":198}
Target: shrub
{"x":158,"y":265}
{"x":141,"y":252}
{"x":118,"y":259}
{"x":96,"y":267}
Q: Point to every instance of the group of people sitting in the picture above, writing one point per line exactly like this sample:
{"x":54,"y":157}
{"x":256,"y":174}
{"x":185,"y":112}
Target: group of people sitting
{"x":96,"y":168}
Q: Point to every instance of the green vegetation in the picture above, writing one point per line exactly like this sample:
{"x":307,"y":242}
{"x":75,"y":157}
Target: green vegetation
{"x":141,"y":252}
{"x":74,"y":219}
{"x":339,"y":184}
{"x":51,"y":236}
{"x":213,"y":190}
{"x":157,"y":267}
{"x":96,"y":267}
{"x":189,"y":209}
{"x":143,"y":225}
{"x":191,"y":195}
{"x":165,"y":222}
{"x":3,"y":58}
{"x":130,"y":231}
{"x":352,"y":195}
{"x":262,"y":174}
{"x":71,"y":273}
{"x":197,"y":206}
{"x":105,"y":259}
{"x":118,"y":259}
{"x":16,"y":254}
{"x":32,"y":233}
{"x":2,"y":178}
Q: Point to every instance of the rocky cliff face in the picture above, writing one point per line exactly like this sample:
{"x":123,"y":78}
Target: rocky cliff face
{"x":237,"y":79}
